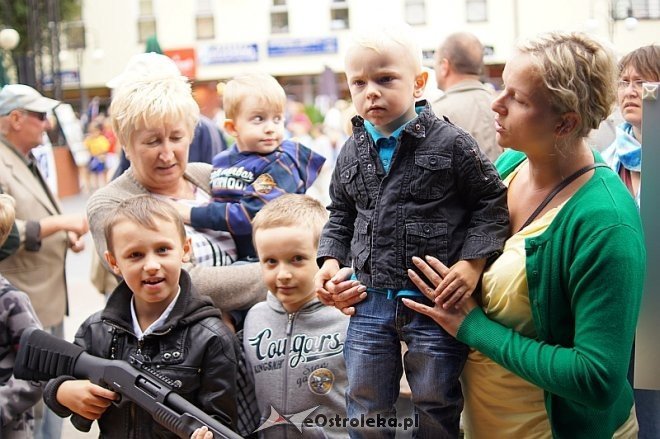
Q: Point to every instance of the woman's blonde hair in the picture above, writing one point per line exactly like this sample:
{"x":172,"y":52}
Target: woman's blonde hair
{"x":292,"y":210}
{"x":261,"y":85}
{"x":152,"y":101}
{"x":7,"y":216}
{"x":579,"y":74}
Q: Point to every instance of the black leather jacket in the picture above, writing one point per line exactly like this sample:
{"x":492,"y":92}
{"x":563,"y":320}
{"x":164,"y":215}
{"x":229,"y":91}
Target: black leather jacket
{"x":194,"y":349}
{"x":441,"y":197}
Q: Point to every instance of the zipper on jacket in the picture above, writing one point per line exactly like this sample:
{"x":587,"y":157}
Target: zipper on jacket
{"x":289,"y":328}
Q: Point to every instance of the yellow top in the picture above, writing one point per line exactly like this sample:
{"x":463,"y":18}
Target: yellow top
{"x":97,"y":145}
{"x":498,"y":403}
{"x":493,"y":393}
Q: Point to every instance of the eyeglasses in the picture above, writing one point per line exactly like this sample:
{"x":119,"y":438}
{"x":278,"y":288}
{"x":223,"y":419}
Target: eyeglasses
{"x":637,"y":85}
{"x":36,"y":114}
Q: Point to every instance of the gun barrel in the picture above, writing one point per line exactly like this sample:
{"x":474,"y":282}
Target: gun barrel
{"x":194,"y":418}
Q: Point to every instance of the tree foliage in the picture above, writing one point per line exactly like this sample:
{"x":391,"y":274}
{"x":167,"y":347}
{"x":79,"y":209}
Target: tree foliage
{"x":15,"y":14}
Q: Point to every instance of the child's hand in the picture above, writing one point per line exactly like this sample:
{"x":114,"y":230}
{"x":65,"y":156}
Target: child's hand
{"x":183,"y":210}
{"x":202,"y":433}
{"x":326,"y":272}
{"x":85,"y":398}
{"x":459,"y":283}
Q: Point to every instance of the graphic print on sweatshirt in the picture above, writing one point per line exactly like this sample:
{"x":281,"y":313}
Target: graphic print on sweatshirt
{"x":308,"y":355}
{"x":235,"y":178}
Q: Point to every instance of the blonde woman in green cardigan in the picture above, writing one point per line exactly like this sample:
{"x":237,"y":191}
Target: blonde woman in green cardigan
{"x":552,"y":340}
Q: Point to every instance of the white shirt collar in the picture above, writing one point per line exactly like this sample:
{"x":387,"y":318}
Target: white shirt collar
{"x":156,"y":325}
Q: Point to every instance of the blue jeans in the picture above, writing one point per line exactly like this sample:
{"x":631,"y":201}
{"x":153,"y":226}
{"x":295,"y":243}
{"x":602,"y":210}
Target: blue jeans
{"x":433,"y":363}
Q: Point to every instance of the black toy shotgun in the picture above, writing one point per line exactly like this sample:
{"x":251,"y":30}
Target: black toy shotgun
{"x":41,"y":356}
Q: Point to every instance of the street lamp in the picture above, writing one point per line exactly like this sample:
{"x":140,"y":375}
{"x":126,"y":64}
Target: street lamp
{"x":9,"y":39}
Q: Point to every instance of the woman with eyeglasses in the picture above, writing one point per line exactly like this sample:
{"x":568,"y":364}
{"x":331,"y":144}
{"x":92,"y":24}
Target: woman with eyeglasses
{"x":625,"y":157}
{"x":625,"y":153}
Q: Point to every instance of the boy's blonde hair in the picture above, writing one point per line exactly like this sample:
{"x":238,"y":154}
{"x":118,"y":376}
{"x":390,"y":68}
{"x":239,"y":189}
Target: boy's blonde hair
{"x":262,"y":85}
{"x":143,"y":209}
{"x":381,"y":36}
{"x":292,"y":210}
{"x":7,"y":216}
{"x":152,"y":101}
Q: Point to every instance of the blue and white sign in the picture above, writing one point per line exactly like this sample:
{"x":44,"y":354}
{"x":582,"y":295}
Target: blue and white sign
{"x":68,"y":77}
{"x":228,"y":53}
{"x":302,"y":46}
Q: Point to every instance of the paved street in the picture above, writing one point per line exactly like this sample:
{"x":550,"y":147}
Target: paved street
{"x":84,"y":299}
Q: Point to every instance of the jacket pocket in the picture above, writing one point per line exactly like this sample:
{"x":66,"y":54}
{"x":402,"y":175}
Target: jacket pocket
{"x":352,"y":182}
{"x":430,"y":175}
{"x":184,"y":379}
{"x":426,"y":238}
{"x":360,"y":245}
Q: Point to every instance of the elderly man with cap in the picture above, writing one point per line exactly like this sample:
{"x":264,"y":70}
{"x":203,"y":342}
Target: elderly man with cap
{"x":37,"y":266}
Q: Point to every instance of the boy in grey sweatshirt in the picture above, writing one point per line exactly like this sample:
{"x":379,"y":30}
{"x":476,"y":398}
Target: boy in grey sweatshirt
{"x":293,"y":343}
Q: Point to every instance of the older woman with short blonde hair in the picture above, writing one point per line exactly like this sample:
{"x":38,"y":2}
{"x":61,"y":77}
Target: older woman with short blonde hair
{"x":154,"y":116}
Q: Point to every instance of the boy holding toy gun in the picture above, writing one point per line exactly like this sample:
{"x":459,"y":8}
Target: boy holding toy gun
{"x":153,"y":316}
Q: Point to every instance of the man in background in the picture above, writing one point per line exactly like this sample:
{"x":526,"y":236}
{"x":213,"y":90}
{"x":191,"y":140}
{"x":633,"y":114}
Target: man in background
{"x":36,"y":266}
{"x":466,"y":101}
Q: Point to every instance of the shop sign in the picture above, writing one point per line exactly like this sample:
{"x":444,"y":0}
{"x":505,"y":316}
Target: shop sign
{"x":302,"y":46}
{"x":228,"y":53}
{"x":184,"y":60}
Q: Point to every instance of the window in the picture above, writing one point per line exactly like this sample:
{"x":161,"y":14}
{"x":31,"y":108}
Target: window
{"x":640,"y":9}
{"x":279,"y":17}
{"x":476,"y":11}
{"x":415,"y":12}
{"x":204,"y":20}
{"x":146,"y":20}
{"x":339,"y":15}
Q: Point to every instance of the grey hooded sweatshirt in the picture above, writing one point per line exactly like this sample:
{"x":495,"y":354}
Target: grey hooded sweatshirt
{"x":298,"y":366}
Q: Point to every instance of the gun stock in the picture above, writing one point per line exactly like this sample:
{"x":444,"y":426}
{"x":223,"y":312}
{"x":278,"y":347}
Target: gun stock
{"x":42,"y":356}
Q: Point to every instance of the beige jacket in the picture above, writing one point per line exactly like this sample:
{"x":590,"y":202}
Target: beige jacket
{"x":467,"y":105}
{"x":231,"y":287}
{"x":39,"y":273}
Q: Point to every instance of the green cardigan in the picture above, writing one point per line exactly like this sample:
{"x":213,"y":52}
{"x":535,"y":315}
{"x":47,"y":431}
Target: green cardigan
{"x":585,"y":275}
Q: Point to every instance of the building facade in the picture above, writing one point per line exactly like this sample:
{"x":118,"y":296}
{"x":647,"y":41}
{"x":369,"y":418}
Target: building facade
{"x":300,"y":41}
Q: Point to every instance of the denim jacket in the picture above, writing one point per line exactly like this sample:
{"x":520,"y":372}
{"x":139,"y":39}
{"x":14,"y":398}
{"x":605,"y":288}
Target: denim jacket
{"x":441,"y":197}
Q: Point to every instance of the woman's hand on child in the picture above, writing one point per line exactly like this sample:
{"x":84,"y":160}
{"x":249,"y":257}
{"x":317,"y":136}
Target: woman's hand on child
{"x":85,"y":398}
{"x":434,"y":270}
{"x":202,"y":433}
{"x":459,"y":283}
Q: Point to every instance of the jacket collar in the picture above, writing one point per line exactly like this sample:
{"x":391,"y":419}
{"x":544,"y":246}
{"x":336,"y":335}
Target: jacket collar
{"x":189,"y":307}
{"x":416,"y":127}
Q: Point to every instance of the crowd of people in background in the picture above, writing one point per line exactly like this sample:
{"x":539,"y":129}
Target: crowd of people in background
{"x":485,"y":243}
